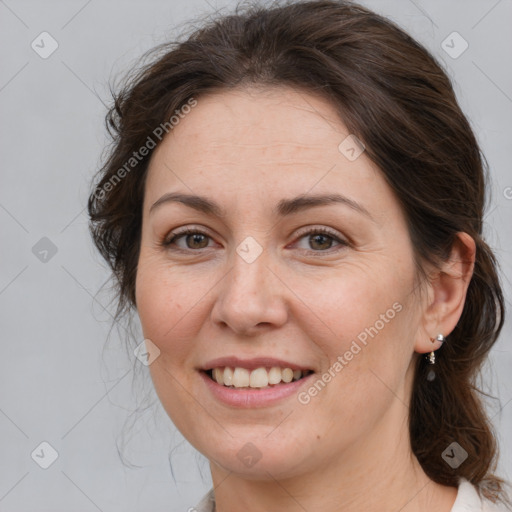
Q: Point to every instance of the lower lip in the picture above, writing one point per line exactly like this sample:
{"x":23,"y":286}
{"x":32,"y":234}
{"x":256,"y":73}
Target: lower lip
{"x":253,"y":397}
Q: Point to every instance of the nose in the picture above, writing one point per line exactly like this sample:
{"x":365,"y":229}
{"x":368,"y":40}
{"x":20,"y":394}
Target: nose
{"x":250,"y":298}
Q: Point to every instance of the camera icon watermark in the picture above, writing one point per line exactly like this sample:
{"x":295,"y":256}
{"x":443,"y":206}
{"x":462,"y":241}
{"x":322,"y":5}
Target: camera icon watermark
{"x":507,"y":192}
{"x":44,"y":455}
{"x":454,"y":455}
{"x":44,"y":45}
{"x":454,"y":45}
{"x":44,"y":250}
{"x":249,"y":249}
{"x":351,"y":148}
{"x":249,"y":455}
{"x":146,"y":352}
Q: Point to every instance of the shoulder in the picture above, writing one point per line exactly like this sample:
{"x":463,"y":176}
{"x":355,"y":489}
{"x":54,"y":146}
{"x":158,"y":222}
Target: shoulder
{"x":468,"y":500}
{"x":207,"y":504}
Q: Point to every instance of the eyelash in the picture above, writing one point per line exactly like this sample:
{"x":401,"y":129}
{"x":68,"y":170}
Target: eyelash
{"x":167,"y":243}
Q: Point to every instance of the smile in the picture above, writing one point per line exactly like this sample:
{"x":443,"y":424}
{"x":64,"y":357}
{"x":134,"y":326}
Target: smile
{"x":260,"y":378}
{"x":257,"y":382}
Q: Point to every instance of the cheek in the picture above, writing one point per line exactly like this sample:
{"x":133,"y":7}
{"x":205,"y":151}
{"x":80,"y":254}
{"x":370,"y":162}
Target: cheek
{"x":348,"y":303}
{"x":362,"y":314}
{"x":369,"y":330}
{"x":167,"y":307}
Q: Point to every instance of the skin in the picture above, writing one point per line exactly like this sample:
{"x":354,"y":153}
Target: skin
{"x":303,"y":300}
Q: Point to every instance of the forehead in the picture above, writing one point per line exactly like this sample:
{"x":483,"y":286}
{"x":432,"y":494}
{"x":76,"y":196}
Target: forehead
{"x":253,"y":144}
{"x":272,"y":115}
{"x":259,"y":127}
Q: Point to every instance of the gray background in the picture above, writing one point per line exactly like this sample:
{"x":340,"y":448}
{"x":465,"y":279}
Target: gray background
{"x":57,"y":381}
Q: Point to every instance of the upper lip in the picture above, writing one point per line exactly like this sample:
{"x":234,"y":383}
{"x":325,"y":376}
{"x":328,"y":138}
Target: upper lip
{"x":251,"y":364}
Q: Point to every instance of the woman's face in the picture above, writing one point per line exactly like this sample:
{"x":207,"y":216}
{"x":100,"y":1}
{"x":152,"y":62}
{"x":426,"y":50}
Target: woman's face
{"x":276,"y":274}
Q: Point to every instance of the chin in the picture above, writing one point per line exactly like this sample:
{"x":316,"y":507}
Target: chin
{"x":258,"y":457}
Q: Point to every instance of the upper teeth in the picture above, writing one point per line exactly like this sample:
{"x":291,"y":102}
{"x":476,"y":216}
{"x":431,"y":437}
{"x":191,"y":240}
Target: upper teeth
{"x":258,"y":378}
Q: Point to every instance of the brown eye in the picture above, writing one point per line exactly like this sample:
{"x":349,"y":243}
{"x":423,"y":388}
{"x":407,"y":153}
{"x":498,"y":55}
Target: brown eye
{"x":320,"y":241}
{"x":194,"y":240}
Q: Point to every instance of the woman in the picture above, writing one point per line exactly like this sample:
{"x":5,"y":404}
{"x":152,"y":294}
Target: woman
{"x":293,"y":206}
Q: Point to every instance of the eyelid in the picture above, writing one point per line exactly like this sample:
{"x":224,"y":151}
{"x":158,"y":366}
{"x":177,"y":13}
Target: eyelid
{"x":318,"y":229}
{"x":341,"y":240}
{"x":186,"y":230}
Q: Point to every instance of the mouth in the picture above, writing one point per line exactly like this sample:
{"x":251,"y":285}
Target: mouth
{"x":237,"y":377}
{"x":255,"y":383}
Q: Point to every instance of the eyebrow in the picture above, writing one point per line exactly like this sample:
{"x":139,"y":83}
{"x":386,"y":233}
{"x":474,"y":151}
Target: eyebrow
{"x":284,"y":208}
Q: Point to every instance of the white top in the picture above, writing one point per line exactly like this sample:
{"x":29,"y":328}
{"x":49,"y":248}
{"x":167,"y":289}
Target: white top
{"x":467,"y":501}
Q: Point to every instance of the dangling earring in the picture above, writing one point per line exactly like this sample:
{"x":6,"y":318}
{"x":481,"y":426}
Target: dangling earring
{"x":432,"y":356}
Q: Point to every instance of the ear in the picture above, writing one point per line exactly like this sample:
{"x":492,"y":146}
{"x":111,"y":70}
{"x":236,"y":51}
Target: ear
{"x":447,"y":288}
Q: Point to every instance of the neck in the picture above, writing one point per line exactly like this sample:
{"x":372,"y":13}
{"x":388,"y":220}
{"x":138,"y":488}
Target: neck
{"x":380,"y":488}
{"x":373,"y":474}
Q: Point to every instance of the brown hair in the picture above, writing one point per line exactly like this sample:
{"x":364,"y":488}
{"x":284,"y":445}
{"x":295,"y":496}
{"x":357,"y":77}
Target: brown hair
{"x":394,"y":96}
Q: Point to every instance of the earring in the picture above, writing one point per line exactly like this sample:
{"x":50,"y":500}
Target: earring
{"x":432,"y":356}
